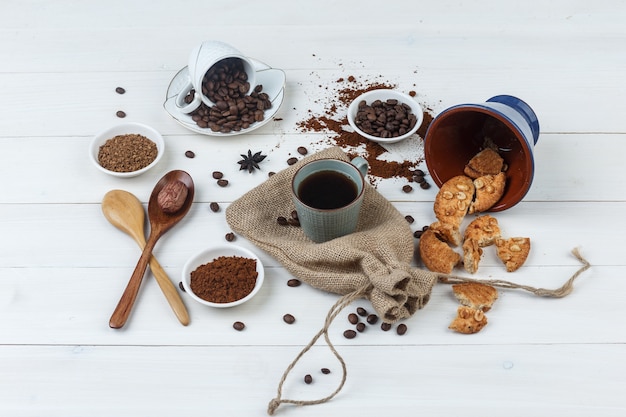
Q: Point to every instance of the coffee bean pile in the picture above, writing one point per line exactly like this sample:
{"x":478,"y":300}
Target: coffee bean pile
{"x":371,"y":319}
{"x":385,"y":119}
{"x":226,"y":84}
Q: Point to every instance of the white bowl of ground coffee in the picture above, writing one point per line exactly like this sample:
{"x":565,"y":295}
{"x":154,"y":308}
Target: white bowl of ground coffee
{"x":223,"y":276}
{"x":127,"y":149}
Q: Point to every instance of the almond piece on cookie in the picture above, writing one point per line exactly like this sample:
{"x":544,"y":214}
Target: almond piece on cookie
{"x":484,"y":230}
{"x":485,"y":162}
{"x":513,"y":252}
{"x":436,"y":254}
{"x":475,"y":295}
{"x":453,"y":200}
{"x":489,"y":190}
{"x":468,"y":320}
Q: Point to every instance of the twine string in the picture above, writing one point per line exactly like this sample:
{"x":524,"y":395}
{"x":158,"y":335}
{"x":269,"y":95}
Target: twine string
{"x":560,"y":292}
{"x":345,"y":300}
{"x":332,"y":313}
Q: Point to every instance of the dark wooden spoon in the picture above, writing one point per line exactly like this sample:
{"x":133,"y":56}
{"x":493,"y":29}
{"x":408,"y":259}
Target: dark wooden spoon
{"x":160,"y":222}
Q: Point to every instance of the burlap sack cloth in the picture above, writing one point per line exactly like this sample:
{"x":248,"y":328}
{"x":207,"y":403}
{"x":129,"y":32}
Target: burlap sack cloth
{"x":374,"y":262}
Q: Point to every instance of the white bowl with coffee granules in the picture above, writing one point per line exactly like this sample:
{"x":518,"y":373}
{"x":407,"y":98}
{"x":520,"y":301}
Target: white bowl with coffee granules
{"x":223,"y":276}
{"x":385,"y":116}
{"x":127,"y":149}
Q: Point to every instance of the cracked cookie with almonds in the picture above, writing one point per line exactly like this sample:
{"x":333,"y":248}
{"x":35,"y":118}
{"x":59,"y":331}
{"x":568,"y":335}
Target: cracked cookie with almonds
{"x":484,"y":230}
{"x":453,"y":200}
{"x":436,"y":254}
{"x":476,"y":299}
{"x":513,"y":252}
{"x":476,"y":295}
{"x":485,"y":162}
{"x":489,"y":190}
{"x":468,"y":320}
{"x":472,"y":253}
{"x":448,"y":232}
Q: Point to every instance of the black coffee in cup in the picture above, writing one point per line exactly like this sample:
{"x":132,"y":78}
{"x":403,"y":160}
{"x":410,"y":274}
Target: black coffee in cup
{"x":327,"y":190}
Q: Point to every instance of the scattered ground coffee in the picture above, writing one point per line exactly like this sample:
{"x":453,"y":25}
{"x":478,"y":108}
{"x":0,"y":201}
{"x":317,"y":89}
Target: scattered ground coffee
{"x":225,"y":279}
{"x":333,"y":120}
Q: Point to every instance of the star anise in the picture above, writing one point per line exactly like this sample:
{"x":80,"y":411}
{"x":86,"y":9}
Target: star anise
{"x":250,"y":161}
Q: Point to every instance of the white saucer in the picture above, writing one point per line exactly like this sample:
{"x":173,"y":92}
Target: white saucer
{"x":272,"y":80}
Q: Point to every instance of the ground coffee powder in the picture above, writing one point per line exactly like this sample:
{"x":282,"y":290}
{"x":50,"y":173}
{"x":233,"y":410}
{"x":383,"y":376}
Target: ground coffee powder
{"x":225,"y":279}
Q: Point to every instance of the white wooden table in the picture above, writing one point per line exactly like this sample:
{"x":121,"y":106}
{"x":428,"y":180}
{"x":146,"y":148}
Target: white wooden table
{"x":63,"y":267}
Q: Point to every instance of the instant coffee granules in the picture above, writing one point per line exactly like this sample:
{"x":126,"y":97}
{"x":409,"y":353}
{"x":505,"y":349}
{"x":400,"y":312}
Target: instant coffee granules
{"x":225,"y":279}
{"x":127,"y":153}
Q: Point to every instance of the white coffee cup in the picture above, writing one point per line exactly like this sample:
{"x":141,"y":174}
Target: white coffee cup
{"x":201,"y":59}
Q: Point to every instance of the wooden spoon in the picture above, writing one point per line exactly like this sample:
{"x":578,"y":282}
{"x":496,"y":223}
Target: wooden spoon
{"x":124,"y":211}
{"x":160,"y":222}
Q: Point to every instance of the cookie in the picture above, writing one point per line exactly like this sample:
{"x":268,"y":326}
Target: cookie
{"x":468,"y":320}
{"x":471,"y":255}
{"x":449,"y":232}
{"x":489,"y":190}
{"x":436,"y":254}
{"x":485,"y":162}
{"x":475,"y":295}
{"x":513,"y":252}
{"x":453,"y":200}
{"x":484,"y":230}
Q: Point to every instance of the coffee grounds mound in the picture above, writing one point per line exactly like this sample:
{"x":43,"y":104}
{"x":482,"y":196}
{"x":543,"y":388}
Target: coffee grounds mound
{"x":334,"y":119}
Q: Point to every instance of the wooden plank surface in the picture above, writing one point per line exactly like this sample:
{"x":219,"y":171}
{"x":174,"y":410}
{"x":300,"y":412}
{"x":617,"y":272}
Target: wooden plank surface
{"x":63,"y":267}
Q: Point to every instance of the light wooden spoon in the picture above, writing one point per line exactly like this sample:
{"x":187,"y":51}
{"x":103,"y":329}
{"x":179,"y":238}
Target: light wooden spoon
{"x":160,"y":222}
{"x":124,"y":211}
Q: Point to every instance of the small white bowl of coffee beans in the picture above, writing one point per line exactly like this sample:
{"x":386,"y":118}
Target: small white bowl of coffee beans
{"x":126,"y":150}
{"x":385,"y":115}
{"x":223,"y":276}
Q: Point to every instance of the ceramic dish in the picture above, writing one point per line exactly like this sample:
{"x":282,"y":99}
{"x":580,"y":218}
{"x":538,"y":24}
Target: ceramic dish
{"x":460,"y":132}
{"x":383,"y":95}
{"x":123,"y":129}
{"x":209,"y":255}
{"x":272,"y":80}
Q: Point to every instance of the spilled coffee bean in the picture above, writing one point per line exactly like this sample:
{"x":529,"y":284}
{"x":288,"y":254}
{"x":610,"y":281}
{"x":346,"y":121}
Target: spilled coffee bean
{"x":239,"y":326}
{"x":289,"y":319}
{"x":215,"y":207}
{"x":349,"y":334}
{"x":293,"y":282}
